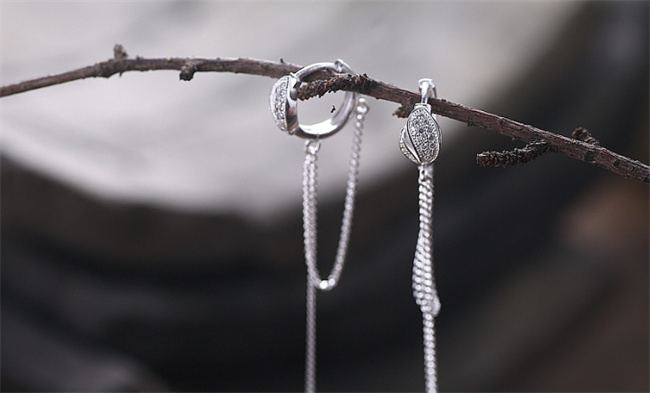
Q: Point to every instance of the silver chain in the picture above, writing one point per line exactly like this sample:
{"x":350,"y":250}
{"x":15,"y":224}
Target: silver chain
{"x":424,"y":289}
{"x":310,"y":212}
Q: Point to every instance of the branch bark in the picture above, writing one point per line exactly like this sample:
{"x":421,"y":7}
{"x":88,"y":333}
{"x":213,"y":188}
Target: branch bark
{"x":584,"y":150}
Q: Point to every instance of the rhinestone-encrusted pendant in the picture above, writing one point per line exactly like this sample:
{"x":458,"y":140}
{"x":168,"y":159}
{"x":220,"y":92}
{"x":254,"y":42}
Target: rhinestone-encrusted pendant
{"x":420,"y":138}
{"x":278,"y":102}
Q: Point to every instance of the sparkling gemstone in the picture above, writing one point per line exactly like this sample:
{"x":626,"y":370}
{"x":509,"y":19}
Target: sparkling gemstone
{"x":423,"y":131}
{"x":278,"y":102}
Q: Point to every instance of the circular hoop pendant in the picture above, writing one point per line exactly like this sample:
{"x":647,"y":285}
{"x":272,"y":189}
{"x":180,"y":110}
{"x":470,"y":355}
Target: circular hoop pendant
{"x":284,"y":103}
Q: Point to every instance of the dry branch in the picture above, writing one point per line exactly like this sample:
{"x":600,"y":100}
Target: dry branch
{"x":580,"y":147}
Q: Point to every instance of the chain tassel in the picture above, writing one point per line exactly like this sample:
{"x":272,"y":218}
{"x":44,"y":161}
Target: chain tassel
{"x":310,"y":210}
{"x":424,"y":289}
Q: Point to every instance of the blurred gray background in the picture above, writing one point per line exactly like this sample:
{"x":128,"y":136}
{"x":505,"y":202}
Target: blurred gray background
{"x":151,"y":233}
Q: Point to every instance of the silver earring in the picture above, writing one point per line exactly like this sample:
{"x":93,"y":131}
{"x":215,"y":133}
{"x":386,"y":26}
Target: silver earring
{"x":283,"y":102}
{"x":420,"y":142}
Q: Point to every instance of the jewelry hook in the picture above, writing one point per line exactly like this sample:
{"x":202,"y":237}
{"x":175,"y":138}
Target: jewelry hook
{"x":427,"y":89}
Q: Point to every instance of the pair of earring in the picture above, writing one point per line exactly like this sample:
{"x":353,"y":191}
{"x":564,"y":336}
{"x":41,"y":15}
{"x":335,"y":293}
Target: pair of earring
{"x":419,"y":140}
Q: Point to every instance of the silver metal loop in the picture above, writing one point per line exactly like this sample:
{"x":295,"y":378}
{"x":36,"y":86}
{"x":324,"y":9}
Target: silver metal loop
{"x":284,"y":103}
{"x":427,"y":89}
{"x":312,"y":146}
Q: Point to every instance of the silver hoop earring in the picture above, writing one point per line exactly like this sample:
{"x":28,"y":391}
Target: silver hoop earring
{"x":420,"y":142}
{"x":283,"y":103}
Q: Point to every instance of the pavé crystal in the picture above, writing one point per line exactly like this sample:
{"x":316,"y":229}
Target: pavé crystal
{"x":420,"y":139}
{"x":277,"y":101}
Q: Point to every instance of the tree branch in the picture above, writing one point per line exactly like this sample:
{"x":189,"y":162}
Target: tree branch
{"x":579,"y":147}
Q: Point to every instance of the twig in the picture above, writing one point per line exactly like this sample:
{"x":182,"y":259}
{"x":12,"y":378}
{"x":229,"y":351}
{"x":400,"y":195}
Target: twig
{"x":504,"y":159}
{"x":575,"y":148}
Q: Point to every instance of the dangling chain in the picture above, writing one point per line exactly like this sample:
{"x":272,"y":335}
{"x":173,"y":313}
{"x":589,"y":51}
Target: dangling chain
{"x":424,"y":289}
{"x":310,"y":210}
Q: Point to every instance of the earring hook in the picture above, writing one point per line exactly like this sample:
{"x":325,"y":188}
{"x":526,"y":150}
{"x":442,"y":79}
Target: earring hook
{"x":427,"y":89}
